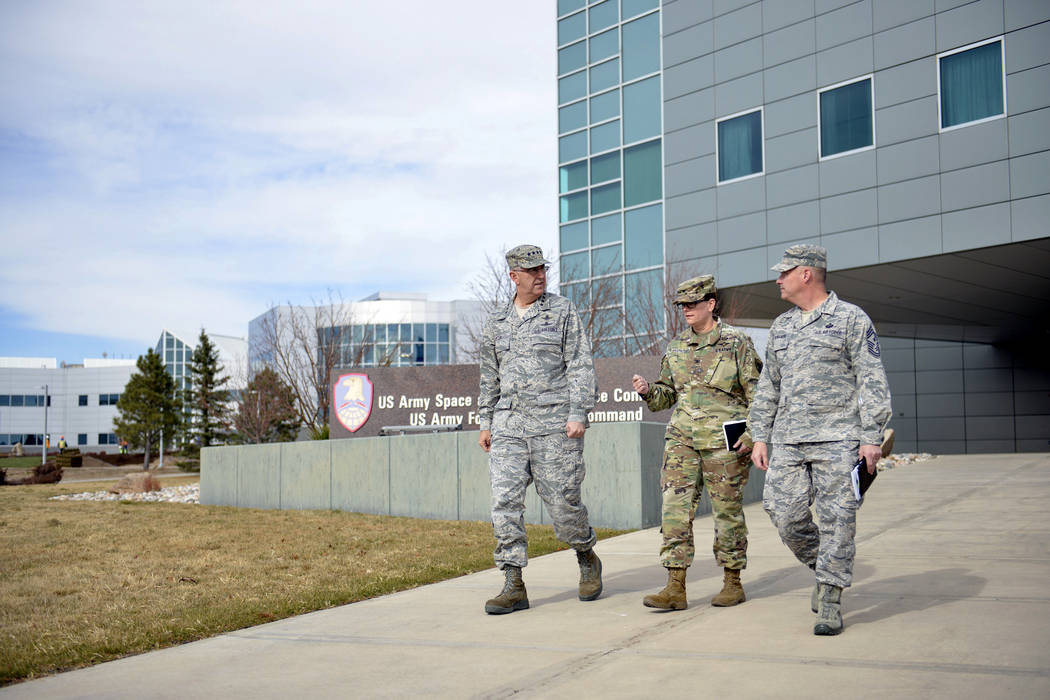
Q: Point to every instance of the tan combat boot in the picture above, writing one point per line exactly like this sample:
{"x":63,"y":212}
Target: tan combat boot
{"x":672,"y":597}
{"x":732,"y":592}
{"x":512,"y":597}
{"x":829,"y":617}
{"x":590,"y":575}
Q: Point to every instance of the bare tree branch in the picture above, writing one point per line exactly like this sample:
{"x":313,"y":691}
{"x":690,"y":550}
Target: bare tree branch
{"x":302,"y":344}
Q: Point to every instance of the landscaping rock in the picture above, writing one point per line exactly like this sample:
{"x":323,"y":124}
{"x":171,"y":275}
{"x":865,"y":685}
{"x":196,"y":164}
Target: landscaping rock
{"x":138,"y":482}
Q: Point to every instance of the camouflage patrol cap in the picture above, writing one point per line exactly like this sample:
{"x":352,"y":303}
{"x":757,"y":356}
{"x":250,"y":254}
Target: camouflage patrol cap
{"x":525,"y":256}
{"x":802,"y":255}
{"x":695,"y":289}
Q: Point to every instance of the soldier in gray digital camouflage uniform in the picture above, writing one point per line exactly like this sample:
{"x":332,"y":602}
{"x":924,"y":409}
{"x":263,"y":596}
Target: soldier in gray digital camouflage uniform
{"x":537,"y":385}
{"x":822,"y":404}
{"x":708,"y":374}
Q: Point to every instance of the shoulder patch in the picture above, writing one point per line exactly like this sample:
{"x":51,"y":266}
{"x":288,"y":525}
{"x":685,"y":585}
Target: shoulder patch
{"x":872,"y":339}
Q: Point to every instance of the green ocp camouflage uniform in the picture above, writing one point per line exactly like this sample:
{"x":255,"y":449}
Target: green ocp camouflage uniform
{"x":823,"y":393}
{"x":709,"y":378}
{"x":537,"y":374}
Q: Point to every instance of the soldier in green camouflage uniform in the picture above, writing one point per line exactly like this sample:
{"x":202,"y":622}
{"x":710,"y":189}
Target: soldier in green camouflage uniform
{"x":708,"y":374}
{"x":537,"y":385}
{"x":822,"y":404}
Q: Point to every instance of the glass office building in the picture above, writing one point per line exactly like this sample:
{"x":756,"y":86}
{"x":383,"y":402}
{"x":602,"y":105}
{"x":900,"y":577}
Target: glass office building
{"x":388,"y":344}
{"x":175,"y":353}
{"x":610,"y":167}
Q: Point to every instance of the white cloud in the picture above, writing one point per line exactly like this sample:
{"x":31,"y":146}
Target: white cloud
{"x":188,"y":163}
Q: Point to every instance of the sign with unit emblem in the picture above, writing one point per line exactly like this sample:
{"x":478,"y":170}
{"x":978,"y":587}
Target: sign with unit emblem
{"x":352,"y":396}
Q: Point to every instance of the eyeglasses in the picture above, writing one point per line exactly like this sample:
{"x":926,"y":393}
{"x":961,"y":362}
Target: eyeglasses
{"x":542,"y":269}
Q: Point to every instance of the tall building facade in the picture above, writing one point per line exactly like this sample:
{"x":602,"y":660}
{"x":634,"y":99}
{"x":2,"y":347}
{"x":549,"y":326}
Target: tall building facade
{"x":610,"y":153}
{"x":910,"y":139}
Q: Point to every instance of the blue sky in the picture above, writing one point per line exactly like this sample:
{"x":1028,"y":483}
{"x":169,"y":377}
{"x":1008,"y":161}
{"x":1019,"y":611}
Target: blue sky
{"x":189,"y":164}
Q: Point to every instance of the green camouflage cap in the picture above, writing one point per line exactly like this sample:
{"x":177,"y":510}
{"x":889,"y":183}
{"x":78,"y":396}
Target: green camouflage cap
{"x":525,"y":256}
{"x":695,"y":289}
{"x":802,"y":255}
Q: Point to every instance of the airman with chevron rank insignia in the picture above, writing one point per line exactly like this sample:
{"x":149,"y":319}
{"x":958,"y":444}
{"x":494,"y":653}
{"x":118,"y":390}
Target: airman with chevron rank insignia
{"x":822,"y":404}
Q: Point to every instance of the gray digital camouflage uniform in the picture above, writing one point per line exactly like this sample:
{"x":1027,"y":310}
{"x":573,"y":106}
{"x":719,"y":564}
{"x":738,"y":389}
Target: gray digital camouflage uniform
{"x":709,"y":378}
{"x":822,"y":393}
{"x":536,"y":375}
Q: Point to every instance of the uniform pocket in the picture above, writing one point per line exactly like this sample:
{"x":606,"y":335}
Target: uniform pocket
{"x":723,"y":376}
{"x":552,"y":398}
{"x":823,"y":348}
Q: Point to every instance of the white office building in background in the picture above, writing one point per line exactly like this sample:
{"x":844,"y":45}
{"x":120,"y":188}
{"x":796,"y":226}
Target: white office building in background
{"x":81,"y":401}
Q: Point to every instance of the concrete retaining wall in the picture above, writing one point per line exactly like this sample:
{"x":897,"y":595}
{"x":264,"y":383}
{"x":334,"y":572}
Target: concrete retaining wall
{"x":442,"y":476}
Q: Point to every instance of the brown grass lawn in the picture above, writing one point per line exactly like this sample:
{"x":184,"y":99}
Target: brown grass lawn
{"x":85,"y":582}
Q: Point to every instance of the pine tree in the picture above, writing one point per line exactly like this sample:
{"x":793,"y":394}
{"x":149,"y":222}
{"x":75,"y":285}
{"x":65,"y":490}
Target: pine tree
{"x":147,"y":409}
{"x":205,"y":399}
{"x":267,"y":410}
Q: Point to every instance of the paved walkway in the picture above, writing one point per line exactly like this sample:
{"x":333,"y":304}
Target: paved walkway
{"x":951,"y":601}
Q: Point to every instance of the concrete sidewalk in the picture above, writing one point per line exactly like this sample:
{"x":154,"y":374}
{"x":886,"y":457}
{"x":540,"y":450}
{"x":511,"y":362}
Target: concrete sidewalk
{"x":950,"y":601}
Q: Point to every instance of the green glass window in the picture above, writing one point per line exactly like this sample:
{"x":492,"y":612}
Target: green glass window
{"x":574,"y":236}
{"x":605,"y":106}
{"x":569,"y":5}
{"x":644,"y":306}
{"x":971,"y":84}
{"x":605,"y":167}
{"x":573,"y":267}
{"x":605,"y":198}
{"x":572,"y":176}
{"x":602,"y":15}
{"x":607,"y":291}
{"x":740,"y":146}
{"x":572,"y":87}
{"x":604,"y":45}
{"x":636,"y":7}
{"x":572,"y":57}
{"x":576,"y":293}
{"x":605,"y":136}
{"x":572,"y":117}
{"x":605,"y":75}
{"x":605,"y":261}
{"x":573,"y":206}
{"x":641,"y":47}
{"x":642,"y":173}
{"x":641,"y":110}
{"x":572,"y":146}
{"x":605,"y":230}
{"x":643,"y":237}
{"x":846,"y":118}
{"x":572,"y":28}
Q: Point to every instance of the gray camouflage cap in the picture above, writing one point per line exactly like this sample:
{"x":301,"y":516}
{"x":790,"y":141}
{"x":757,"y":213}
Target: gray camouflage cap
{"x":525,"y":256}
{"x":802,"y":255}
{"x":695,"y":289}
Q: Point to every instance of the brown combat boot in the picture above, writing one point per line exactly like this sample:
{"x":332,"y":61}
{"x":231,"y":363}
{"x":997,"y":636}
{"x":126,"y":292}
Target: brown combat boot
{"x":512,"y":597}
{"x":732,"y":592}
{"x":672,"y":597}
{"x":590,"y":575}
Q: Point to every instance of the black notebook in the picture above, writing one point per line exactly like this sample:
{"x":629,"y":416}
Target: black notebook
{"x":732,"y":430}
{"x":862,"y":479}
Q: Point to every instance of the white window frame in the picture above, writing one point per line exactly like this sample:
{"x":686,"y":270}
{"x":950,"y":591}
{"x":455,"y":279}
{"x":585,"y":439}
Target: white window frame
{"x":1002,"y":64}
{"x":762,"y":138}
{"x":844,"y":83}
